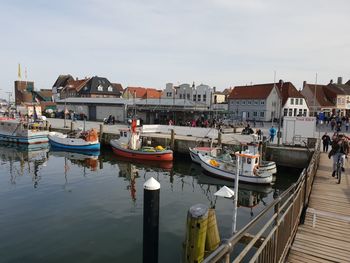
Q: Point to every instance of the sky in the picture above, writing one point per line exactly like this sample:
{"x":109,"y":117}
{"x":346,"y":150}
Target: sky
{"x":149,"y":43}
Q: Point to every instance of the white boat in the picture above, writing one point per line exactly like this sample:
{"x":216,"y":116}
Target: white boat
{"x":216,"y":152}
{"x":18,"y":131}
{"x":248,"y":171}
{"x":82,"y":141}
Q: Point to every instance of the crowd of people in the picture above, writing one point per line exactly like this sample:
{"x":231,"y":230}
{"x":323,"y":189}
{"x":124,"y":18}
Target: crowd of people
{"x":336,"y":123}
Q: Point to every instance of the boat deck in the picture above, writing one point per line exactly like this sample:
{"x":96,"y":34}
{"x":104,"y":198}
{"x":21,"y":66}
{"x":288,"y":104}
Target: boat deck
{"x":325,"y":235}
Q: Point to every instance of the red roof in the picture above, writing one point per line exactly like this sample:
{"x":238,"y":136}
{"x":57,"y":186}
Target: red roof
{"x":77,"y":84}
{"x":321,"y":96}
{"x":259,"y":91}
{"x":287,"y":90}
{"x":144,"y":93}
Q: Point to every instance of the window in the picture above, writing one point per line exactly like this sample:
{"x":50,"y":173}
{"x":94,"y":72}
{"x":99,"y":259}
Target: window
{"x":100,"y":88}
{"x":256,"y":102}
{"x":295,"y":112}
{"x":301,"y":101}
{"x":291,"y":101}
{"x":188,"y":96}
{"x":237,"y":102}
{"x":262,"y":114}
{"x":110,"y":89}
{"x":285,"y":112}
{"x":169,"y":94}
{"x":300,"y":112}
{"x":262,"y":102}
{"x":296,"y":101}
{"x":243,"y":102}
{"x":290,"y":112}
{"x":255,"y":114}
{"x":194,"y":97}
{"x":249,"y":102}
{"x":180,"y":96}
{"x":198,"y":97}
{"x":205,"y":97}
{"x":305,"y":113}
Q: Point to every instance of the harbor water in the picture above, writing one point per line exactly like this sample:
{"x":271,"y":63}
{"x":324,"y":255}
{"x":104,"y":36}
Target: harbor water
{"x":58,"y":206}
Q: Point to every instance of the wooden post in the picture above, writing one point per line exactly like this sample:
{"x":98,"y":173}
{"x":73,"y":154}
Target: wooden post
{"x":196,"y":231}
{"x":212,"y":240}
{"x":50,"y":128}
{"x":219,"y":138}
{"x":172,"y":139}
{"x":46,"y":125}
{"x":101,"y":132}
{"x":72,"y":126}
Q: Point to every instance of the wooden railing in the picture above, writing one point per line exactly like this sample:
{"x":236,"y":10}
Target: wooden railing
{"x":277,"y":224}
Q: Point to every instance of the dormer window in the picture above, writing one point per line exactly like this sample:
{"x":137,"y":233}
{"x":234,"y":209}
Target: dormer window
{"x":100,"y":88}
{"x":110,"y":89}
{"x":85,"y":88}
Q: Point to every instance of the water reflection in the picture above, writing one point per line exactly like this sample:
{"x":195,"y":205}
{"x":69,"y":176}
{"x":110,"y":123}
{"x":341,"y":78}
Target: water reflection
{"x":249,"y":195}
{"x":22,"y":158}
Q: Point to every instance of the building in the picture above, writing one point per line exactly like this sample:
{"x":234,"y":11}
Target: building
{"x":95,"y":87}
{"x":293,"y":102}
{"x":26,"y":95}
{"x":59,"y":84}
{"x":255,"y":102}
{"x":317,"y":99}
{"x":201,"y":94}
{"x":339,"y":93}
{"x":141,"y":93}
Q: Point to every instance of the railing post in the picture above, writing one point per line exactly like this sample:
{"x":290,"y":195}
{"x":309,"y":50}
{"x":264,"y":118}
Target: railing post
{"x":276,"y":209}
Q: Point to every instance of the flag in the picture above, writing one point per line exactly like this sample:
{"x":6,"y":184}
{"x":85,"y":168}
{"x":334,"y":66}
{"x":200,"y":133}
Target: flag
{"x":19,"y":71}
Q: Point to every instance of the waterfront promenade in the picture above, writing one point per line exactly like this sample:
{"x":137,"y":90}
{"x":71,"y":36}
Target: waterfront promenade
{"x":325,"y":235}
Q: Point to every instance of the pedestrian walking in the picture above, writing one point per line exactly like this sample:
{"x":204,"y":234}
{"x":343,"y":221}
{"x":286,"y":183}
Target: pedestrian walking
{"x":272,"y":133}
{"x":326,"y":140}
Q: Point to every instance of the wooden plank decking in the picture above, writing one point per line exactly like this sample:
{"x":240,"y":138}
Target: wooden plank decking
{"x":325,"y":235}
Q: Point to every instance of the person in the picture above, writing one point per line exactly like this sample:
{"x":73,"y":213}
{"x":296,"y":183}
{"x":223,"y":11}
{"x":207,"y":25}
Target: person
{"x":247,"y":130}
{"x":259,"y":133}
{"x":272,"y":133}
{"x":326,"y":140}
{"x":347,"y":125}
{"x":340,"y":149}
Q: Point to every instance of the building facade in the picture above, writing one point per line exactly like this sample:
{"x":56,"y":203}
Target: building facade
{"x":255,"y":102}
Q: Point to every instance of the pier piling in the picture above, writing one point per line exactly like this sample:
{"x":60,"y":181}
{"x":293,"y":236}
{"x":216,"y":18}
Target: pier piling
{"x":212,"y":240}
{"x":172,"y":139}
{"x":196,"y":231}
{"x":101,"y":132}
{"x":151,"y":191}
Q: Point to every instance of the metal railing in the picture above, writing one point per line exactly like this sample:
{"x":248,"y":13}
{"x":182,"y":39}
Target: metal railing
{"x":277,"y":224}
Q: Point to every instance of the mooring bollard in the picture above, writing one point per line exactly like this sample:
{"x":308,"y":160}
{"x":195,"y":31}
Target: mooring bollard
{"x":101,"y":132}
{"x":172,"y":139}
{"x":46,"y":125}
{"x":212,"y":240}
{"x":151,"y":191}
{"x":196,"y":231}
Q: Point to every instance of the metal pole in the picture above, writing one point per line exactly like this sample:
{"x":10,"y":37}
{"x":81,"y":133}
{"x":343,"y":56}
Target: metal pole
{"x":279,"y":124}
{"x":65,"y":108}
{"x":234,"y":220}
{"x":315,"y":97}
{"x":151,"y":190}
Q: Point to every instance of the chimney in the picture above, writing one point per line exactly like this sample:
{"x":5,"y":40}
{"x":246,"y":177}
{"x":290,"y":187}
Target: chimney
{"x":304,"y":83}
{"x":331,"y":81}
{"x":214,"y":89}
{"x":76,"y":78}
{"x":340,"y":80}
{"x":280,"y":82}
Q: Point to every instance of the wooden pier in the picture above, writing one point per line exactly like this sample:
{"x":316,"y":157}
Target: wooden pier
{"x":325,"y":234}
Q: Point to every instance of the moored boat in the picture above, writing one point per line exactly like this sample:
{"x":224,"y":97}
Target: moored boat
{"x":129,"y":145}
{"x":248,"y":169}
{"x":82,"y":141}
{"x":18,"y":131}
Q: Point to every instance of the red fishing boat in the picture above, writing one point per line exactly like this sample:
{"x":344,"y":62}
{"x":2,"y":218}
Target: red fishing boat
{"x":129,"y":145}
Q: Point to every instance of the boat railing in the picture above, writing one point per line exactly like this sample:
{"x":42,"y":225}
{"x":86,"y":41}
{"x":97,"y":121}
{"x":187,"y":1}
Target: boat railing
{"x":268,"y":236}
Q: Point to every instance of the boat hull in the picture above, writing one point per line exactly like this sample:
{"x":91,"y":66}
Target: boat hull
{"x":36,"y":139}
{"x":166,"y":155}
{"x":264,"y":178}
{"x":59,"y":141}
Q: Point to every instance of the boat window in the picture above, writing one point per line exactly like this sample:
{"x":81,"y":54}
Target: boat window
{"x":249,"y":161}
{"x":256,"y":160}
{"x":125,"y":134}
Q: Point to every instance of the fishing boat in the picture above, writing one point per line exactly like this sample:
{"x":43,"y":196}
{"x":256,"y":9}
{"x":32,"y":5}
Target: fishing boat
{"x":218,"y":152}
{"x":19,"y":131}
{"x":79,"y":141}
{"x":129,"y":145}
{"x":249,"y":170}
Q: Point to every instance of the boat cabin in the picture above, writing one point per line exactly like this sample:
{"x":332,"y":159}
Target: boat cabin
{"x":248,"y":162}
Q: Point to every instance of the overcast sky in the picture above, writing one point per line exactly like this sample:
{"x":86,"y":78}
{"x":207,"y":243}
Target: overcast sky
{"x":148,"y":43}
